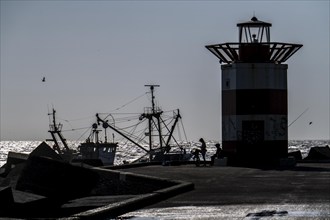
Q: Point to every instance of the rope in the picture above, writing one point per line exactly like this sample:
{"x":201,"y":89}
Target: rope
{"x":76,"y":119}
{"x":126,"y":104}
{"x":298,"y":117}
{"x":84,"y":133}
{"x":184,"y":131}
{"x":74,"y":129}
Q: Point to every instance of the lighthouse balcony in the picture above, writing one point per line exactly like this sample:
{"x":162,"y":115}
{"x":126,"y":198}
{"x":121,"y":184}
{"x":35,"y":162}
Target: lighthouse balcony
{"x":274,"y":52}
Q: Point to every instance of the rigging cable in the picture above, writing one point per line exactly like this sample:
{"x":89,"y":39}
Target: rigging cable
{"x":76,"y":119}
{"x":74,"y":129}
{"x":184,"y":131}
{"x":298,"y":117}
{"x":84,"y":133}
{"x":126,"y":104}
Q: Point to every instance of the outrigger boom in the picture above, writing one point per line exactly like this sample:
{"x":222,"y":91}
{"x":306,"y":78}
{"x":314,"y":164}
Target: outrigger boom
{"x":106,"y":124}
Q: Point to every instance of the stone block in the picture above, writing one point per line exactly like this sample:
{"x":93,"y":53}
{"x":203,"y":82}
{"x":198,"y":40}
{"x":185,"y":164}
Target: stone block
{"x":296,"y":154}
{"x":319,"y":153}
{"x":44,"y":150}
{"x":6,"y":199}
{"x":55,"y":179}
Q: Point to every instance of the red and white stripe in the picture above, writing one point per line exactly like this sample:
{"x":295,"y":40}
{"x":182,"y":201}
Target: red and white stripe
{"x":255,"y":95}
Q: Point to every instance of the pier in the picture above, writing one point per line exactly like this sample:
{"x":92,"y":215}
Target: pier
{"x":249,"y":190}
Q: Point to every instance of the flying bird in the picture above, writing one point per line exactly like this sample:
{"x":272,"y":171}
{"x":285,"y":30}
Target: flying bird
{"x":43,"y":79}
{"x":310,"y":122}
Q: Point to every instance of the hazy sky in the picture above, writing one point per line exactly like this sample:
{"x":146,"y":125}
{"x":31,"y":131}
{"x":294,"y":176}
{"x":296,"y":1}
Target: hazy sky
{"x":98,"y":55}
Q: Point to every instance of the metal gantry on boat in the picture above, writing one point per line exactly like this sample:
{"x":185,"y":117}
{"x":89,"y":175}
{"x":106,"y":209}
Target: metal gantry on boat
{"x":161,"y":145}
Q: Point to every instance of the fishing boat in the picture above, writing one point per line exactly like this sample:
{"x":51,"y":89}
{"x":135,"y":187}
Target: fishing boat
{"x":93,"y":151}
{"x":152,"y":131}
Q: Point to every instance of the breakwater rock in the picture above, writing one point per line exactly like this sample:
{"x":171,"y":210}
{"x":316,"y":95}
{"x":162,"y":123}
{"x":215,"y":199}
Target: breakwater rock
{"x":319,"y":153}
{"x":42,"y":185}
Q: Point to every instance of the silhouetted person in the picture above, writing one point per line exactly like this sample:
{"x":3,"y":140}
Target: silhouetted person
{"x":196,"y":152}
{"x":217,"y":153}
{"x":219,"y":150}
{"x":203,"y":150}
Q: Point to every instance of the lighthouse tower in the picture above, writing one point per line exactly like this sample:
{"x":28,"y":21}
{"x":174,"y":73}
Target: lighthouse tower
{"x":254,"y":95}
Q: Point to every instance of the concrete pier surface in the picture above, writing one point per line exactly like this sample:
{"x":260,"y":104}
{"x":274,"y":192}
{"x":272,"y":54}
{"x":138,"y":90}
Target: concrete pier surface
{"x":302,"y":192}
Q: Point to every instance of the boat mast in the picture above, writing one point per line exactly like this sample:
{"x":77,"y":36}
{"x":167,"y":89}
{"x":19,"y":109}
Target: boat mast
{"x":56,"y":129}
{"x":154,"y":113}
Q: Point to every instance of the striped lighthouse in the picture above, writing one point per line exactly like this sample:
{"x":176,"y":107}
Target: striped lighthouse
{"x":254,"y":95}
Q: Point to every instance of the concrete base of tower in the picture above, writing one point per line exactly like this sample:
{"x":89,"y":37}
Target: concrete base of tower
{"x":263,"y":154}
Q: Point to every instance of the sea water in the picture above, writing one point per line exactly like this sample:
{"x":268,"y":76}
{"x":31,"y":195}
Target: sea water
{"x":129,"y":152}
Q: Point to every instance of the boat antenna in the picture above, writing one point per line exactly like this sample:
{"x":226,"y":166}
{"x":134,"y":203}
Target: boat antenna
{"x":152,"y":96}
